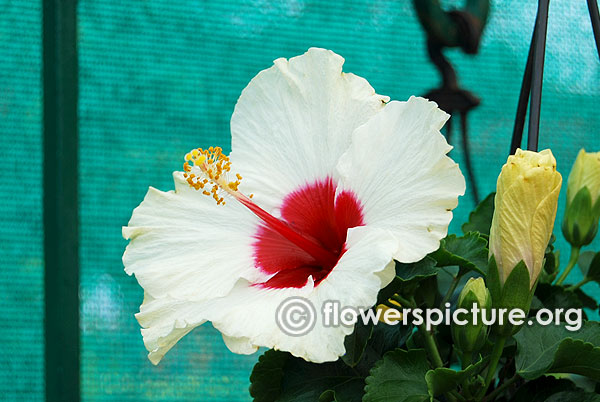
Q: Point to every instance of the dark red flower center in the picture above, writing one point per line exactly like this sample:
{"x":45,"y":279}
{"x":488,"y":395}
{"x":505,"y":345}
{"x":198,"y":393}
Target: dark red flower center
{"x":309,"y":238}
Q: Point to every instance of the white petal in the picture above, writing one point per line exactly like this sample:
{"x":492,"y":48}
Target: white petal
{"x":398,"y":168}
{"x":164,"y":322}
{"x":185,"y":246}
{"x":241,"y":346}
{"x":388,"y":274}
{"x":248,"y":313}
{"x":246,"y":317}
{"x":294,"y":120}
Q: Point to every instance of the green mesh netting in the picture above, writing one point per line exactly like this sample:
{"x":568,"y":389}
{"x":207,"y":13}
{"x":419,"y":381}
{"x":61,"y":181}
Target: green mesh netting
{"x":21,"y":257}
{"x":158,"y":78}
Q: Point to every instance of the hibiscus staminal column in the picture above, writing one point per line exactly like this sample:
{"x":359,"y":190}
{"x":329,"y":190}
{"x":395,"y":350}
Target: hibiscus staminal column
{"x":204,"y":168}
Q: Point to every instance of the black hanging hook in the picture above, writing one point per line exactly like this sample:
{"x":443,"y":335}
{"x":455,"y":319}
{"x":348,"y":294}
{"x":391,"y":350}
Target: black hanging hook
{"x":532,"y":84}
{"x":457,"y":28}
{"x":533,"y":76}
{"x":595,"y":18}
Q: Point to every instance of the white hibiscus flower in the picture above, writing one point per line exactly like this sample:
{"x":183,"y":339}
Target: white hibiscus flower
{"x":343,"y":183}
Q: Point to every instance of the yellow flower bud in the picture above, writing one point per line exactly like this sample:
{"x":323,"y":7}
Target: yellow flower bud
{"x":585,"y":173}
{"x":525,"y":208}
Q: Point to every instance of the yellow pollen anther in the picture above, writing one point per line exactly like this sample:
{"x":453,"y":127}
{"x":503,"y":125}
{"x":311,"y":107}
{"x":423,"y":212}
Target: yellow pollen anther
{"x":210,"y":166}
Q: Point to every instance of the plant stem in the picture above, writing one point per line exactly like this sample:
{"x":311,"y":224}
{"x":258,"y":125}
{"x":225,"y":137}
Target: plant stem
{"x":572,"y":261}
{"x":573,"y":288}
{"x":431,"y":347}
{"x":455,"y":395}
{"x":494,"y":359}
{"x":466,"y":359}
{"x":501,"y":388}
{"x":430,"y":344}
{"x":434,"y":354}
{"x":452,"y":288}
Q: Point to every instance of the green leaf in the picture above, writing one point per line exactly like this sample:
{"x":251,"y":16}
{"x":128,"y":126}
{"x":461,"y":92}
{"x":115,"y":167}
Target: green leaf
{"x":350,"y":391}
{"x":586,"y":301}
{"x":541,"y":389}
{"x":554,"y":349}
{"x":589,"y":263}
{"x":399,"y":377}
{"x":584,"y":261}
{"x":356,"y":343}
{"x":546,"y":389}
{"x":536,"y":304}
{"x":480,"y":220}
{"x":416,"y":270}
{"x":385,"y":338}
{"x":469,"y":252}
{"x":428,"y":294}
{"x":578,"y":357}
{"x":265,"y":380}
{"x":442,"y":380}
{"x":551,"y":267}
{"x":574,"y":396}
{"x":280,"y":377}
{"x":554,"y":296}
{"x":551,"y":263}
{"x":408,"y":277}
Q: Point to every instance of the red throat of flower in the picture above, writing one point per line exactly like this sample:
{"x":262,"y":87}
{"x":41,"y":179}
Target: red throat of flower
{"x":308,"y":239}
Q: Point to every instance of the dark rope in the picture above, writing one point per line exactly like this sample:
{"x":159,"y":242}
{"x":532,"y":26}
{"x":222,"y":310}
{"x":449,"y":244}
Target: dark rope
{"x":537,"y":75}
{"x":517,"y":136}
{"x":531,"y":86}
{"x":595,"y":17}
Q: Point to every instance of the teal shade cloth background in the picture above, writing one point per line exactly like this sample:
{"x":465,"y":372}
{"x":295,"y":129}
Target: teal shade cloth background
{"x":21,"y":240}
{"x":158,"y":78}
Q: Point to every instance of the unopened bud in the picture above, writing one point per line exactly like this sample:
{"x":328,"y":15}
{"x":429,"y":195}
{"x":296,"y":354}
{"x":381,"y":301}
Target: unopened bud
{"x":470,"y":338}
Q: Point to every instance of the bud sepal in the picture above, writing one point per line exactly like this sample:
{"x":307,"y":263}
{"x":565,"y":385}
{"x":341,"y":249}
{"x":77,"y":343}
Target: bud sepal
{"x":515,"y":293}
{"x":580,"y":223}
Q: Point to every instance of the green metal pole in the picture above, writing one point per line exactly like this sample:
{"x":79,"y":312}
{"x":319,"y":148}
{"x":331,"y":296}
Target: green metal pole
{"x":60,"y":200}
